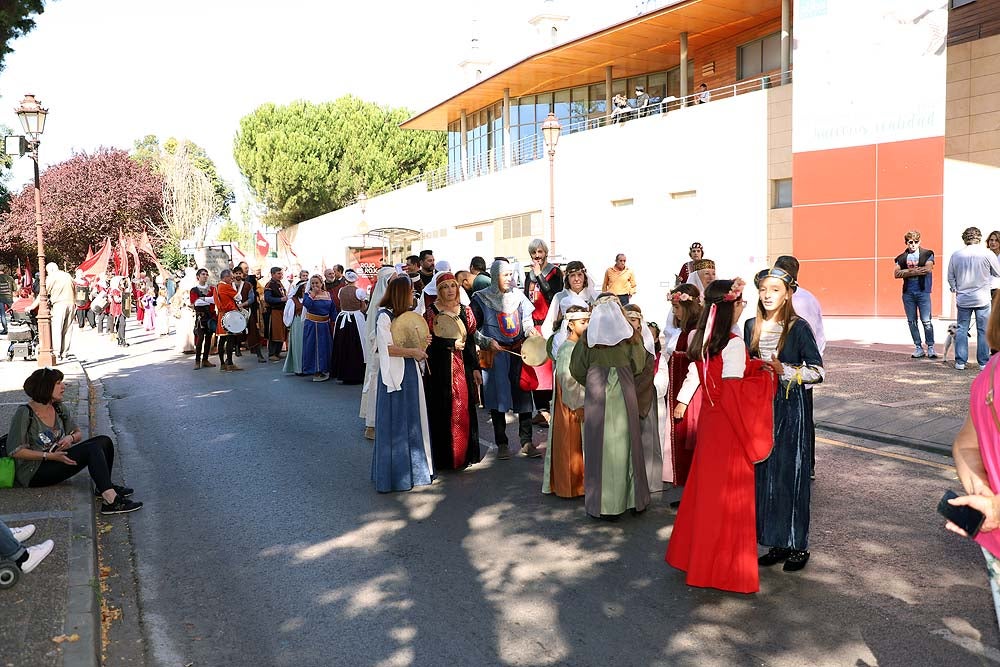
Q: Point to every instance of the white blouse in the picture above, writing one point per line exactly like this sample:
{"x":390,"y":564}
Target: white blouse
{"x":391,"y":369}
{"x":734,"y":364}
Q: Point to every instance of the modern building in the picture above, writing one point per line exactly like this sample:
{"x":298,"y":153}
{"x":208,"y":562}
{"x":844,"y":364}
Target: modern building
{"x":891,"y":124}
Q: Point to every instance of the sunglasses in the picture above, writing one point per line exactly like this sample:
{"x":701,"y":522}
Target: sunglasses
{"x":912,"y":242}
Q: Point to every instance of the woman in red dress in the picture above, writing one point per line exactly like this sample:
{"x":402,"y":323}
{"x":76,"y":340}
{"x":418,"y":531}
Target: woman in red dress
{"x":679,"y":438}
{"x":714,"y":539}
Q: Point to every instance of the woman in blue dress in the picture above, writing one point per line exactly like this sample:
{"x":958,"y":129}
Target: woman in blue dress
{"x":785,"y":342}
{"x":317,"y":342}
{"x":401,"y":457}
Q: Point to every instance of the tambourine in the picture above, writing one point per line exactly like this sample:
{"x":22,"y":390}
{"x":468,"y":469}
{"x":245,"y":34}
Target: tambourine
{"x":235,"y":321}
{"x":533,"y":351}
{"x":446,"y":326}
{"x":410,"y":330}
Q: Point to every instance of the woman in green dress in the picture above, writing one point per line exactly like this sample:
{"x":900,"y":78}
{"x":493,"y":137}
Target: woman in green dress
{"x":606,"y":362}
{"x":292,"y":317}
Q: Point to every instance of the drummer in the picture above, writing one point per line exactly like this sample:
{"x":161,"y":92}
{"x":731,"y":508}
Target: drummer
{"x":225,"y":303}
{"x":503,"y":321}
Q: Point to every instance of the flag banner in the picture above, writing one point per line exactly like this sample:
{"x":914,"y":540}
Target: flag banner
{"x":96,"y":264}
{"x":90,"y":251}
{"x":285,"y":248}
{"x":263,"y":247}
{"x":135,"y":256}
{"x":121,"y":263}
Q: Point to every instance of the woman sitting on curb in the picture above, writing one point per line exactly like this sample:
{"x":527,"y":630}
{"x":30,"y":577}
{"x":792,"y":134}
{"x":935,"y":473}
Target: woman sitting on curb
{"x":46,"y":444}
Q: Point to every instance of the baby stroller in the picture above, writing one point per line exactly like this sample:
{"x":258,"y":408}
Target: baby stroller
{"x":23,"y":335}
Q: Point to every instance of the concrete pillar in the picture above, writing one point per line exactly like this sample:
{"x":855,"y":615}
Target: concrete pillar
{"x":508,"y":150}
{"x":465,"y":145}
{"x":607,"y":89}
{"x":786,"y":39}
{"x":684,"y":68}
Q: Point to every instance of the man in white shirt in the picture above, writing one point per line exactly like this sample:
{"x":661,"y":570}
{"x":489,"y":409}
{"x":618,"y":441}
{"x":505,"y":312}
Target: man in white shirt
{"x":970,"y":273}
{"x":805,"y":304}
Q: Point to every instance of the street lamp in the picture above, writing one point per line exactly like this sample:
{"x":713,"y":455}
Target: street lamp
{"x":551,"y":129}
{"x":32,"y":117}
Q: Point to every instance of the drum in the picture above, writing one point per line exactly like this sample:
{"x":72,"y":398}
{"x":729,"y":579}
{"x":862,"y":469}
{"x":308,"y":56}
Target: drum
{"x":235,"y":321}
{"x":533,"y":351}
{"x":446,"y":326}
{"x":410,"y":330}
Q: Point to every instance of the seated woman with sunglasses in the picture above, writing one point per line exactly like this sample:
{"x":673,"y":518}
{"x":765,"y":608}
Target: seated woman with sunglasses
{"x":48,"y":448}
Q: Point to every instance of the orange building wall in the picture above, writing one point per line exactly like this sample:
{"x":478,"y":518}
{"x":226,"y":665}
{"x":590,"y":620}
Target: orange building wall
{"x":851,"y":208}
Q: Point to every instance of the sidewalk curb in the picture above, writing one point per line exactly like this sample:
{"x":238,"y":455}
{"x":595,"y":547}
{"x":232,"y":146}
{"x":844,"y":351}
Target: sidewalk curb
{"x":83,"y":610}
{"x":886,"y":438}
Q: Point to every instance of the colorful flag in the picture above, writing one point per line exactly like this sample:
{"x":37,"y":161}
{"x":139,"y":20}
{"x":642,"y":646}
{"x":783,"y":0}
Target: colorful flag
{"x":121,"y":261}
{"x":90,"y":251}
{"x":285,"y":248}
{"x":135,"y":256}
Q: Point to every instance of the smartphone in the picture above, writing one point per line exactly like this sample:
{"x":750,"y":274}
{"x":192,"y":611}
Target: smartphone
{"x":968,"y":519}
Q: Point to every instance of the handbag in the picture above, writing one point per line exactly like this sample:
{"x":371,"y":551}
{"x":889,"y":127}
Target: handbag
{"x":6,"y":465}
{"x":528,"y":380}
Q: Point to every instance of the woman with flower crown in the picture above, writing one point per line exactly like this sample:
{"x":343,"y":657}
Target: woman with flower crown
{"x":679,"y":433}
{"x":714,"y":537}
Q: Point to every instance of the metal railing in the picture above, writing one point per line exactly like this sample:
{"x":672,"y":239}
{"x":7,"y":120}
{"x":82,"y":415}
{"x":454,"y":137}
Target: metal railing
{"x":531,"y":148}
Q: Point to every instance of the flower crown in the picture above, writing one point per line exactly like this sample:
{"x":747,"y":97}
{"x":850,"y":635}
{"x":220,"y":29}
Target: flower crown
{"x":678,"y":297}
{"x":736,"y":291}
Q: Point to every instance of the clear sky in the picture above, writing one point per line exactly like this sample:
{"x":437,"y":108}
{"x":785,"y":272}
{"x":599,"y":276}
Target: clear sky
{"x":112,"y":71}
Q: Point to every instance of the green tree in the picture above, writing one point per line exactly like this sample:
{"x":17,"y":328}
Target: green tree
{"x":15,"y":21}
{"x":305,"y":159}
{"x":148,"y":149}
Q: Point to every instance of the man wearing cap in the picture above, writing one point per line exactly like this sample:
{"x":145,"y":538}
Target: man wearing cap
{"x":503,"y":321}
{"x":970,"y":272}
{"x":695,"y":252}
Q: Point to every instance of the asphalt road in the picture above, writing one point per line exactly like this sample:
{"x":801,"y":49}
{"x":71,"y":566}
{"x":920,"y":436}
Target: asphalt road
{"x":263,"y":542}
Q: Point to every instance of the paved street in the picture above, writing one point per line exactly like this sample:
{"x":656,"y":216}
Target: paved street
{"x":263,"y":542}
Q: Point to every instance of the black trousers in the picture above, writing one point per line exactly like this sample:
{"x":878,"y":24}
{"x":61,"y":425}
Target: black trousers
{"x":499,"y":420}
{"x":97,"y":455}
{"x":227,"y":345}
{"x":102,"y":316}
{"x":84,"y":316}
{"x":202,"y":345}
{"x":120,"y":326}
{"x":542,"y":398}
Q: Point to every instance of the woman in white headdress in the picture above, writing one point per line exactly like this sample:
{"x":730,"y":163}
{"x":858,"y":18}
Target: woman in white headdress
{"x":368,"y":391}
{"x":292,"y":317}
{"x":182,"y":305}
{"x":578,"y":284}
{"x":607,"y":361}
{"x":430,"y":293}
{"x":702,"y":274}
{"x":645,"y":393}
{"x":350,"y":349}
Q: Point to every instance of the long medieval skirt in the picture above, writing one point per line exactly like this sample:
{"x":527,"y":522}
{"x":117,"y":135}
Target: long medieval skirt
{"x":347,"y":362}
{"x":451,"y":411}
{"x":614,"y":469}
{"x":563,"y":473}
{"x":401,"y":456}
{"x":678,"y":452}
{"x":293,"y":360}
{"x":315,"y":346}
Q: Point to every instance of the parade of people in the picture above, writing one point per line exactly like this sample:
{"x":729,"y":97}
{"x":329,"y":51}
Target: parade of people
{"x":544,"y":333}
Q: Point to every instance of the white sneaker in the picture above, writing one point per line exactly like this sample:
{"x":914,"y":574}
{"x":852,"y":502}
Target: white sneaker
{"x":959,"y":366}
{"x":23,"y":533}
{"x":36,"y":555}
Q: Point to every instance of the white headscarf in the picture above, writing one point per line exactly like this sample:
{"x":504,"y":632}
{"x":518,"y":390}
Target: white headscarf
{"x":564,"y":304}
{"x":608,"y":324}
{"x":382,"y":278}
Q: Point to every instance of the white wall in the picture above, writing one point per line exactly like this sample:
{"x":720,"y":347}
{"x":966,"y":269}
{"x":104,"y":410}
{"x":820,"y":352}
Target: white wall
{"x":718,"y":150}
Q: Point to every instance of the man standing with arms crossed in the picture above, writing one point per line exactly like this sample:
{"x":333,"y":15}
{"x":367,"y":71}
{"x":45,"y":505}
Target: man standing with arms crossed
{"x":970,"y":272}
{"x":914,"y":267}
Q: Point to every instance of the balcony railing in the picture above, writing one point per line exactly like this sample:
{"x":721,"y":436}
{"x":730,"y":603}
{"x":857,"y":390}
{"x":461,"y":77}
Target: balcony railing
{"x":529,"y":149}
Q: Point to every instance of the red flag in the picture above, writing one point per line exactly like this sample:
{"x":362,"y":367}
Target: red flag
{"x":121,"y":263}
{"x":263,"y":247}
{"x":97,"y":264}
{"x":238,"y":255}
{"x":90,"y":251}
{"x":135,"y":255}
{"x":26,"y":276}
{"x":145,"y":245}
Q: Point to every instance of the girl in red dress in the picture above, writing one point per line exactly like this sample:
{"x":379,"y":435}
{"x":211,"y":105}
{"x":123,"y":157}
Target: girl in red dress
{"x":714,"y":539}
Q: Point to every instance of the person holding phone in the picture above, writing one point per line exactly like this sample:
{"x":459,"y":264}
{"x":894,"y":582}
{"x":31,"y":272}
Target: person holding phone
{"x":977,"y":459}
{"x":48,"y":447}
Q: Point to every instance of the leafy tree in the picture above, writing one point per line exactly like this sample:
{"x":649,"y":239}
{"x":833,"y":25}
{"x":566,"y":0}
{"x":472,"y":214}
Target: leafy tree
{"x":84,"y":200}
{"x":16,"y":20}
{"x":148,"y":149}
{"x":233,"y":232}
{"x":305,"y":159}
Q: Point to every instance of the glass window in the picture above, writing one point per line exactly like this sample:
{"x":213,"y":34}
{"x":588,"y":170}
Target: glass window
{"x":674,"y":80}
{"x":632,"y":83}
{"x":960,"y":3}
{"x":597,"y":102}
{"x":562,"y":106}
{"x":656,"y":85}
{"x":759,"y":56}
{"x":543,"y":104}
{"x":618,"y":87}
{"x":782,"y":193}
{"x":578,"y":109}
{"x":513,"y":112}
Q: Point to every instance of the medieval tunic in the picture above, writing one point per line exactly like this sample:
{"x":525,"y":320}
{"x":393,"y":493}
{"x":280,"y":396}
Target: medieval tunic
{"x":649,"y":423}
{"x":540,"y":291}
{"x":501,"y":383}
{"x":316,"y":338}
{"x":784,"y":479}
{"x":272,"y":296}
{"x":678,"y":451}
{"x":349,"y":350}
{"x":248,"y":302}
{"x":292,"y":318}
{"x":614,"y":468}
{"x":714,"y":535}
{"x":401,"y":455}
{"x":225,"y":301}
{"x":450,"y":389}
{"x":563,"y":474}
